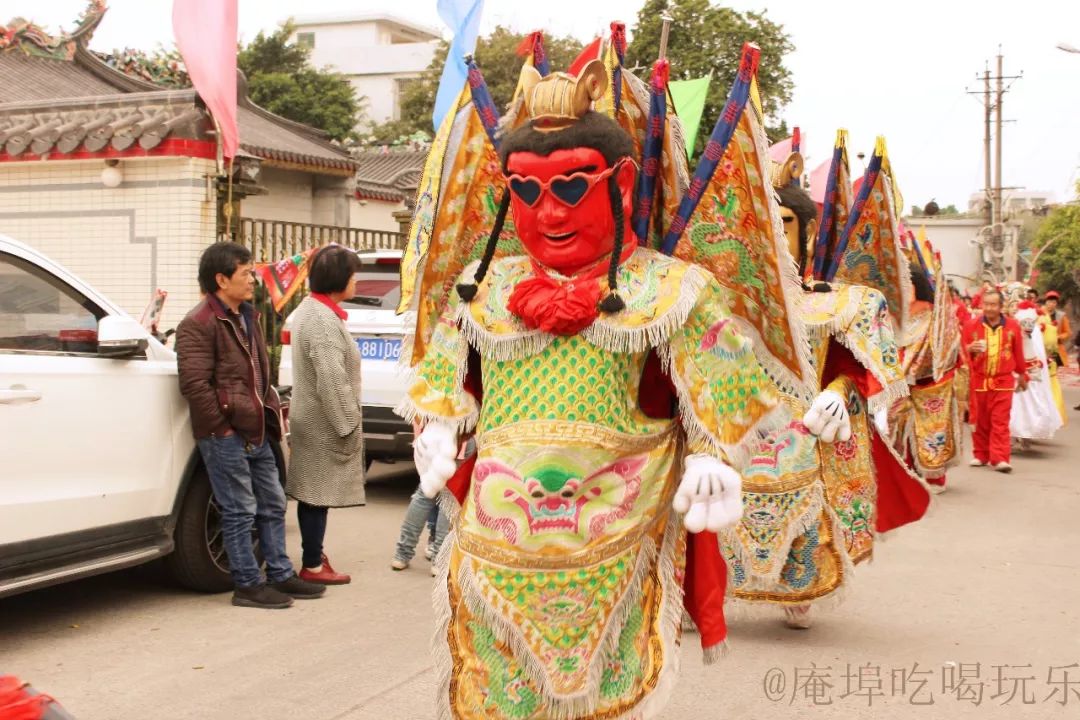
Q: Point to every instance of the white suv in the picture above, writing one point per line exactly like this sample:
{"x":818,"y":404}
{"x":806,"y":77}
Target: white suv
{"x":99,"y":467}
{"x":379,"y":331}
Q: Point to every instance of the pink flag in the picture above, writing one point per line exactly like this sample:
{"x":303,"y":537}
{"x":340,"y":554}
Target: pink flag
{"x":779,"y":152}
{"x":819,"y":180}
{"x":206,"y":37}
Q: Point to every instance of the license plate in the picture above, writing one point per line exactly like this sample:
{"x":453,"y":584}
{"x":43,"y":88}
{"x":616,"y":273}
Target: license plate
{"x":379,"y":348}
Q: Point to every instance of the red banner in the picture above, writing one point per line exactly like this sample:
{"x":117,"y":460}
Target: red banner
{"x":206,"y":36}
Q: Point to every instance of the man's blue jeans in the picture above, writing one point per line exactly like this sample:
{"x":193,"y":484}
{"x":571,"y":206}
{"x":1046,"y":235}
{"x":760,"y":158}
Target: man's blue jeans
{"x":418,"y":515}
{"x":249,"y":494}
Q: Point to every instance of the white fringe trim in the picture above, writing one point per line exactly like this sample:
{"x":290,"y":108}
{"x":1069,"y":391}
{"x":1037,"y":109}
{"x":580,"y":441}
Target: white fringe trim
{"x":501,"y":348}
{"x":606,"y":334}
{"x":612,"y":337}
{"x":440,"y":644}
{"x":671,"y":612}
{"x":891,"y":391}
{"x":407,"y":411}
{"x":715,"y":653}
{"x":697,"y":434}
{"x":790,"y":284}
{"x":907,"y":290}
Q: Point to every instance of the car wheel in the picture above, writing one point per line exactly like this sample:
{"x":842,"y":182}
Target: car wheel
{"x":199,"y":561}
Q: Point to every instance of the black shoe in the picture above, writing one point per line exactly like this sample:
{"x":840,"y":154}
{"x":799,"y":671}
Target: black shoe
{"x":261,"y":596}
{"x":300,"y":589}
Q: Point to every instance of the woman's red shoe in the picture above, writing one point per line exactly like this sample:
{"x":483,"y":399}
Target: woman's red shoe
{"x":326,"y":575}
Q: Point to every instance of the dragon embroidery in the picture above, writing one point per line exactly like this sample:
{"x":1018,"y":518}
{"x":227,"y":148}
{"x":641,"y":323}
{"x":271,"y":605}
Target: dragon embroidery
{"x":553,"y":501}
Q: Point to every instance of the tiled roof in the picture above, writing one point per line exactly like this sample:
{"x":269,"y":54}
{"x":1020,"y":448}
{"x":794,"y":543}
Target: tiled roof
{"x":268,"y":136}
{"x":26,"y":78}
{"x":390,"y":174}
{"x":85,"y":98}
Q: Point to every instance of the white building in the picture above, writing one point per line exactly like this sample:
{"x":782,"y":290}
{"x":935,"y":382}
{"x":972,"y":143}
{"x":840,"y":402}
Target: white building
{"x":1014,"y":201}
{"x":955,"y":238}
{"x":375,"y":51}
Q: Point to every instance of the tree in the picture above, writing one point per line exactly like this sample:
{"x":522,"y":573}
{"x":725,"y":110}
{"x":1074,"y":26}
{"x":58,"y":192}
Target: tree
{"x":705,"y":38}
{"x":1059,"y":261}
{"x":496,"y":55}
{"x":282,"y":80}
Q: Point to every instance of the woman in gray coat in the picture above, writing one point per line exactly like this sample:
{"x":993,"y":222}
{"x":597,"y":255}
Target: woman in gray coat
{"x":326,"y":467}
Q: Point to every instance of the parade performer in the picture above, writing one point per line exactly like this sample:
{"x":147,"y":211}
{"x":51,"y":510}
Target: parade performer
{"x":1034,"y":416}
{"x":1056,"y":334}
{"x":993,"y":348}
{"x":610,"y":395}
{"x":1061,"y":320}
{"x":813,"y":509}
{"x":925,"y":426}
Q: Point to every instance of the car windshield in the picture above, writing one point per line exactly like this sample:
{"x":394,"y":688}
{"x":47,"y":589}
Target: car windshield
{"x":378,"y":285}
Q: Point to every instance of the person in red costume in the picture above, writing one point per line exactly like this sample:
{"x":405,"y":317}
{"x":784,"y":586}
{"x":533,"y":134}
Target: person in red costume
{"x":993,"y":347}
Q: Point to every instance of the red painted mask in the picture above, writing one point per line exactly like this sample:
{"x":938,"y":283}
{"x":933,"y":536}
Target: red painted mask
{"x":562,"y":210}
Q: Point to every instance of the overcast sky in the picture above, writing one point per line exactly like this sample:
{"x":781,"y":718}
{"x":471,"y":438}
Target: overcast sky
{"x":897,"y":69}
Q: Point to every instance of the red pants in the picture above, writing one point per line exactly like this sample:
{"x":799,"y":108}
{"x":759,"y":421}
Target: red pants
{"x":990,"y":436}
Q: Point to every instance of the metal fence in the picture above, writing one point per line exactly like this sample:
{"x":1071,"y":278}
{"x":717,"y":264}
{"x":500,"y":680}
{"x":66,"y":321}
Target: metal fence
{"x":273,"y":240}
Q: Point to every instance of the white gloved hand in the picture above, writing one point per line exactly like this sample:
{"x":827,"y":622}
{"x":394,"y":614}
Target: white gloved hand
{"x":710,"y":494}
{"x":881,"y":421}
{"x":434,"y":452}
{"x":828,"y":418}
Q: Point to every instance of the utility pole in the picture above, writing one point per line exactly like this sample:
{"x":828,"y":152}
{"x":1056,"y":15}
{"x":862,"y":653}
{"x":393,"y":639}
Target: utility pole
{"x":997,"y":259}
{"x":988,"y":108}
{"x":999,"y":215}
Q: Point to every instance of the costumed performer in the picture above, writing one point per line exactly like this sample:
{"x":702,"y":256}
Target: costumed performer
{"x":610,"y":396}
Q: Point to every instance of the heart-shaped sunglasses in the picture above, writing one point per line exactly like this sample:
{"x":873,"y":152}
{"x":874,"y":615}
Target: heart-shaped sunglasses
{"x":570,"y":190}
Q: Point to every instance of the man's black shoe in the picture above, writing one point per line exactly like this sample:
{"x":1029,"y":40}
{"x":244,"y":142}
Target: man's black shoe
{"x":299,"y":589}
{"x":261,"y":596}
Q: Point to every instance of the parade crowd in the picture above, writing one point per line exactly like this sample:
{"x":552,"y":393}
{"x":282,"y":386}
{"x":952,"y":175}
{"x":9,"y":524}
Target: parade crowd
{"x":621,"y":433}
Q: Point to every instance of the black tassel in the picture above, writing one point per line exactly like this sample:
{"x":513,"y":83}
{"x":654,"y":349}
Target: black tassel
{"x":613,"y":303}
{"x":467,"y":291}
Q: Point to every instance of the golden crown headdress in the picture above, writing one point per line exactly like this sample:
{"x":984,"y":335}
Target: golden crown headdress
{"x":791,"y":169}
{"x":560,"y":99}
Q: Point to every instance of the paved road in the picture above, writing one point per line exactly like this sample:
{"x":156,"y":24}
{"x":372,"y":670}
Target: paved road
{"x":991,"y":578}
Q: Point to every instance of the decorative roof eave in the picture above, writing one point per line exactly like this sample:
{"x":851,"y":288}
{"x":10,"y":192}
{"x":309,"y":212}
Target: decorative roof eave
{"x":380,"y":194}
{"x":25,"y":36}
{"x":320,"y":137}
{"x":85,"y":126}
{"x":173,"y":147}
{"x":303,"y":163}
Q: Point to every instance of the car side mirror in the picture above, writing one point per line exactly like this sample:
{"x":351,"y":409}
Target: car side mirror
{"x":120,"y":336}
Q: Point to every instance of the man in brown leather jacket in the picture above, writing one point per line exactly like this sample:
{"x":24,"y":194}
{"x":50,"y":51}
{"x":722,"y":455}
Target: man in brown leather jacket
{"x":225,"y":375}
